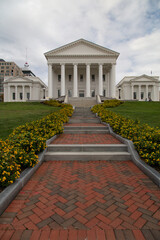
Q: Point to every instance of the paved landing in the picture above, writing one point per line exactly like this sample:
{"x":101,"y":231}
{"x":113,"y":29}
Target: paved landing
{"x":94,"y":199}
{"x":86,"y":139}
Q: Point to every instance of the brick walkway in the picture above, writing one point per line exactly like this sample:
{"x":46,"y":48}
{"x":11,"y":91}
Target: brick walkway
{"x":76,"y":200}
{"x":87,"y":199}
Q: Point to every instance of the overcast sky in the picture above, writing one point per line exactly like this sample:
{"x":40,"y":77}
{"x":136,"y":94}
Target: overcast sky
{"x":130,"y":27}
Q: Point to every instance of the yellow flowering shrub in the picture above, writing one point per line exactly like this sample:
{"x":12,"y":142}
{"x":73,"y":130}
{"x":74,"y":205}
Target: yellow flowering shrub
{"x":112,"y":103}
{"x":25,"y":142}
{"x":53,"y":103}
{"x":146,"y":139}
{"x":9,"y":169}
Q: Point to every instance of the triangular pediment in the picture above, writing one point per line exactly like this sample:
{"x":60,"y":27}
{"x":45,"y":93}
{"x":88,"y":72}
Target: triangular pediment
{"x":144,"y":78}
{"x":18,"y":79}
{"x":81,"y":47}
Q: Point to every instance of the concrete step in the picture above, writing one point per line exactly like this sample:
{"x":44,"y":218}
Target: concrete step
{"x":87,"y":156}
{"x":82,"y":102}
{"x":87,"y":148}
{"x":87,"y":131}
{"x":84,"y":115}
{"x":103,"y":127}
{"x":84,"y":120}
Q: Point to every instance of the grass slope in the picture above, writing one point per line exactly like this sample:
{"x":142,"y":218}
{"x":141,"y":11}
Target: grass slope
{"x":13,"y":115}
{"x":146,"y":112}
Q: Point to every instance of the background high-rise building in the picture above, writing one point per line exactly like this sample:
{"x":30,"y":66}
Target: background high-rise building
{"x":8,"y":69}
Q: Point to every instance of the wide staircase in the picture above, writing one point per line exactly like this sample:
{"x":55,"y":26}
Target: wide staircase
{"x":82,"y":102}
{"x":85,"y":138}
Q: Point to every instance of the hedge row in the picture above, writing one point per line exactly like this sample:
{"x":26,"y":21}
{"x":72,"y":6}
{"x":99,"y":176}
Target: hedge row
{"x":146,"y":139}
{"x":20,"y":150}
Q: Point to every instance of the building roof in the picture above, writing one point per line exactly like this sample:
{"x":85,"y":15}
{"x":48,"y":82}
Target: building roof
{"x":25,"y":79}
{"x":89,"y":48}
{"x":128,"y":79}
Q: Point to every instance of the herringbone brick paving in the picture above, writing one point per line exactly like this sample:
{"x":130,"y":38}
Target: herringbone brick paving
{"x":79,"y":200}
{"x":85,"y":139}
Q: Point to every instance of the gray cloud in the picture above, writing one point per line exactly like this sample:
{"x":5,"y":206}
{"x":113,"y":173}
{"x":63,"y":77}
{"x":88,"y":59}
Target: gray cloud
{"x":130,"y":27}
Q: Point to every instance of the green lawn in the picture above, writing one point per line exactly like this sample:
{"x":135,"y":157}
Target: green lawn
{"x":16,"y":114}
{"x":146,"y":112}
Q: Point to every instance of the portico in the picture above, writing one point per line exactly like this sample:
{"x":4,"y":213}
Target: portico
{"x":22,"y":89}
{"x":81,"y":69}
{"x":141,"y":88}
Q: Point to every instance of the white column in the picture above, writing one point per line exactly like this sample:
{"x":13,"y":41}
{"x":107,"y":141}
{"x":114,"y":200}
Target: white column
{"x":16,"y":92}
{"x":100,"y":79}
{"x":30,"y":93}
{"x":132,"y":90}
{"x":88,"y":81}
{"x":139,"y":92}
{"x":108,"y":85}
{"x":113,"y":81}
{"x":154,"y":95}
{"x":9,"y":92}
{"x":105,"y":85}
{"x":147,"y":92}
{"x":50,"y":79}
{"x":62,"y":79}
{"x":23,"y":97}
{"x":75,"y":81}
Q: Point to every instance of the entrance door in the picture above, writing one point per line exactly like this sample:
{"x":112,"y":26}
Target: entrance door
{"x":81,"y":93}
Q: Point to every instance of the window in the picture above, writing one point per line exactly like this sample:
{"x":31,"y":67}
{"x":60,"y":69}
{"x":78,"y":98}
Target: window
{"x":59,"y":78}
{"x":134,"y":95}
{"x":7,"y":67}
{"x":70,"y":78}
{"x":21,"y":95}
{"x":119,"y":90}
{"x":93,"y":93}
{"x":81,"y":78}
{"x":104,"y":92}
{"x":13,"y":95}
{"x":59,"y":92}
{"x":81,"y":93}
{"x":142,"y":95}
{"x":149,"y":96}
{"x":69,"y":93}
{"x":2,"y":67}
{"x":104,"y":77}
{"x":28,"y":95}
{"x":93,"y":77}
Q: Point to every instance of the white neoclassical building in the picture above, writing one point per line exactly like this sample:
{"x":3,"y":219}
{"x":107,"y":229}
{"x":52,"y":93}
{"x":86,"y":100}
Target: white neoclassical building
{"x":81,"y":69}
{"x":22,"y":89}
{"x":141,"y":88}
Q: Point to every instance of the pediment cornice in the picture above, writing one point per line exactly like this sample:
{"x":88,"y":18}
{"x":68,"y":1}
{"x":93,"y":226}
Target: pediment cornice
{"x":18,"y":80}
{"x":144,"y":76}
{"x":102,"y":50}
{"x":80,"y":56}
